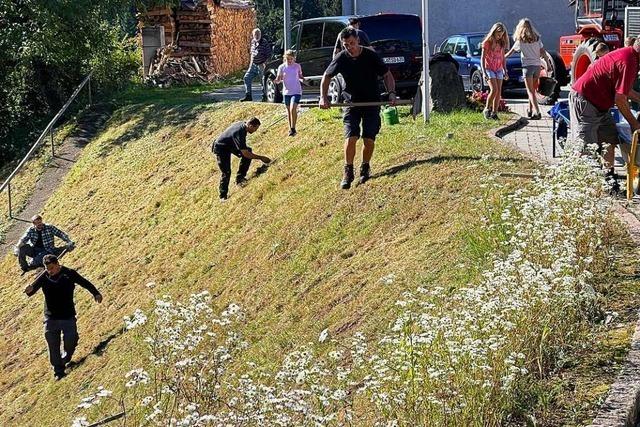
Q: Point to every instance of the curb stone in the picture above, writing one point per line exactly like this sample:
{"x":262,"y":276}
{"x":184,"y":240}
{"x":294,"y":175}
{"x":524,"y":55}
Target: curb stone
{"x":622,"y":405}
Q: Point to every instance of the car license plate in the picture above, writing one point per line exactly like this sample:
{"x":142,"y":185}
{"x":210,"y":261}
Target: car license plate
{"x":610,"y":37}
{"x":393,"y":60}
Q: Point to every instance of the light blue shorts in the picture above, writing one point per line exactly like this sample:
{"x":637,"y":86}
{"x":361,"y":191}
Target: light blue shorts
{"x":296,"y":99}
{"x":495,"y":74}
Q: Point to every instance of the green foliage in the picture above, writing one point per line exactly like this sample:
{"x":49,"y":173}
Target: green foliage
{"x":48,"y":47}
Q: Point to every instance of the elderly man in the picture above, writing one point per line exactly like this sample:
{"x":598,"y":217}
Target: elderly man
{"x":38,"y":241}
{"x":607,"y":82}
{"x":58,"y":284}
{"x":260,"y":54}
{"x":360,"y":67}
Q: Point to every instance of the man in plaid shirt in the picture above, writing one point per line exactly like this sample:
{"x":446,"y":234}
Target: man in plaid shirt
{"x":37,"y":242}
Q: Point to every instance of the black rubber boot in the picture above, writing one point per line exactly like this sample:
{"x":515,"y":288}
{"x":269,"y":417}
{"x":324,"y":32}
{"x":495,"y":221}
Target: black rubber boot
{"x":364,"y":173}
{"x":347,"y":178}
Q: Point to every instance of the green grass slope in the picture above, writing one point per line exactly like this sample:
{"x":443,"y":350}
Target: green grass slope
{"x":295,"y":251}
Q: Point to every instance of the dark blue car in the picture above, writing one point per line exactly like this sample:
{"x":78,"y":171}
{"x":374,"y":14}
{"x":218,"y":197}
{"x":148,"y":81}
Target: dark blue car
{"x":466,"y":49}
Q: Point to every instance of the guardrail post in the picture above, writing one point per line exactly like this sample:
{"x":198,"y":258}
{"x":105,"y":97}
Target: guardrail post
{"x":9,"y":194}
{"x":89,"y":82}
{"x":53,"y":149}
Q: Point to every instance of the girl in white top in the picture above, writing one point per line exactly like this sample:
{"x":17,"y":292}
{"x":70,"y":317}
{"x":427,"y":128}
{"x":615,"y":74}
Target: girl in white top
{"x":527,"y":42}
{"x":290,"y":75}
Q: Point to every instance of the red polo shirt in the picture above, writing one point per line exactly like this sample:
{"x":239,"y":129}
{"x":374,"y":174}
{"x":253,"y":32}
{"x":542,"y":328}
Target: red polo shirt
{"x":613,"y":73}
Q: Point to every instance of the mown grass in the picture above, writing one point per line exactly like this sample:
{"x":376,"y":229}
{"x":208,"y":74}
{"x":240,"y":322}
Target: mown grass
{"x":298,"y":254}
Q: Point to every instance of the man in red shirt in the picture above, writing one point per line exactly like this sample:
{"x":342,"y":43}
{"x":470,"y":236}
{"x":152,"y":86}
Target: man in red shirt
{"x":608,"y":82}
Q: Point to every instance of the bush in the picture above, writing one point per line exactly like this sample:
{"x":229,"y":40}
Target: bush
{"x":478,"y":100}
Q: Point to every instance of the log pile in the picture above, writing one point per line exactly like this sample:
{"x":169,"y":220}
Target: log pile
{"x":161,"y":16}
{"x":203,"y":42}
{"x":168,"y":69}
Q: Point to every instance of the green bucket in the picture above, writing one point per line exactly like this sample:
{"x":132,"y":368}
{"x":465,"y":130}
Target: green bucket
{"x":390,"y":116}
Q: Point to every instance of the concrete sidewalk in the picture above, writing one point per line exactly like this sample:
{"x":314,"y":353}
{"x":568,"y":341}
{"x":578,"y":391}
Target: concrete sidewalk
{"x":535,"y":139}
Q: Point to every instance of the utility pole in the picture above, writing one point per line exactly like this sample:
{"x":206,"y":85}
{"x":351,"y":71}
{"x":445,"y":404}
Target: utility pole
{"x":426,"y":86}
{"x":287,"y":24}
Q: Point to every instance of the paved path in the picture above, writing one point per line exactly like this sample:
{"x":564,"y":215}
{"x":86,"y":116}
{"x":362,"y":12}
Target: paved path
{"x":535,"y":138}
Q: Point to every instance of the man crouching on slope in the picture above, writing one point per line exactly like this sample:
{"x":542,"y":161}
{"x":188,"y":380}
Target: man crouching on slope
{"x":57,"y":284}
{"x":234,"y":141}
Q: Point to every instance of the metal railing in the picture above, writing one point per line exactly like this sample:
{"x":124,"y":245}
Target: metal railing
{"x":48,"y":131}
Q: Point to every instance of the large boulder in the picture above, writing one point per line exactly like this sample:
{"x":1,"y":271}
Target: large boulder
{"x":447,"y":90}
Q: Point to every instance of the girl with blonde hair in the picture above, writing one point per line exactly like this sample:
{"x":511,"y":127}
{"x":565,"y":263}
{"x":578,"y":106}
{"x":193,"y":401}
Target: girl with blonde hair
{"x":494,"y":66}
{"x":528,"y":43}
{"x":290,"y":75}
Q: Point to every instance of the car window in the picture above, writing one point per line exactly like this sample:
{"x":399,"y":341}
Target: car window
{"x":294,"y":37}
{"x":331,"y":31}
{"x":449,"y":45}
{"x":462,"y":45}
{"x":311,"y":36}
{"x":383,"y":28}
{"x":475,"y":44}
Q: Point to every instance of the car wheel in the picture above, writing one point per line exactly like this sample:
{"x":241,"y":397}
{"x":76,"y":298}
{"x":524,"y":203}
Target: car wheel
{"x":274,"y":93}
{"x":335,"y":91}
{"x":477,"y":81}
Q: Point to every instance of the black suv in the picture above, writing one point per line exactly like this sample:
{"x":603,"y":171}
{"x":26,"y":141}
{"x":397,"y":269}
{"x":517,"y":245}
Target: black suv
{"x":396,"y":37}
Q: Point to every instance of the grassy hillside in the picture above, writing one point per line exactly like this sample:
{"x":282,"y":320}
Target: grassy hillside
{"x":295,"y":251}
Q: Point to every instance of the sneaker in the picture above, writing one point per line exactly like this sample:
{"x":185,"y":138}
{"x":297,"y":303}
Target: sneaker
{"x":364,"y":173}
{"x":347,"y":178}
{"x":241,"y":182}
{"x":529,"y":114}
{"x":292,"y":132}
{"x":247,"y":97}
{"x":536,"y":116}
{"x":59,"y":375}
{"x":487,"y":114}
{"x":614,"y":185}
{"x":494,"y":116}
{"x":264,"y":98}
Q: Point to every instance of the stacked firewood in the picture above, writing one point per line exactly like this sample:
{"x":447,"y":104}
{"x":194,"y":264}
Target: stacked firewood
{"x":194,"y":30}
{"x":231,"y":36}
{"x":167,"y":69}
{"x":161,"y":16}
{"x":210,"y":38}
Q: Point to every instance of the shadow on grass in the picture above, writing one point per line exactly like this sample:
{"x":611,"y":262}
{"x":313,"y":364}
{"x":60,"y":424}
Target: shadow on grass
{"x":151,"y":118}
{"x":97,"y":351}
{"x":394,"y":170}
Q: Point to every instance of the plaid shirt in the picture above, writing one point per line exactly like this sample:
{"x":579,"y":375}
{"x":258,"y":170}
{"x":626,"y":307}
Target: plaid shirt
{"x":48,"y":232}
{"x":260,"y":51}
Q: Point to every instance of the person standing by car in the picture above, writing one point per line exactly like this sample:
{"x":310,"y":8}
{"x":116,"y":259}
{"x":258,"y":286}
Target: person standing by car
{"x":360,"y":67}
{"x":362,"y":36}
{"x":290,"y":75}
{"x":528,"y":43}
{"x":260,"y":54}
{"x":494,"y":66}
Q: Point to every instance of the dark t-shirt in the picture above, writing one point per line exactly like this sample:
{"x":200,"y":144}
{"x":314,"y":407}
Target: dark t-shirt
{"x":612,"y":74}
{"x":39,"y":244}
{"x":360,"y":74}
{"x":362,"y":36}
{"x":58,"y":292}
{"x":233,"y":139}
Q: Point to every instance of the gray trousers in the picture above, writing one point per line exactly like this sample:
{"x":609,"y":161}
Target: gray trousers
{"x":53,"y":328}
{"x":590,"y":125}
